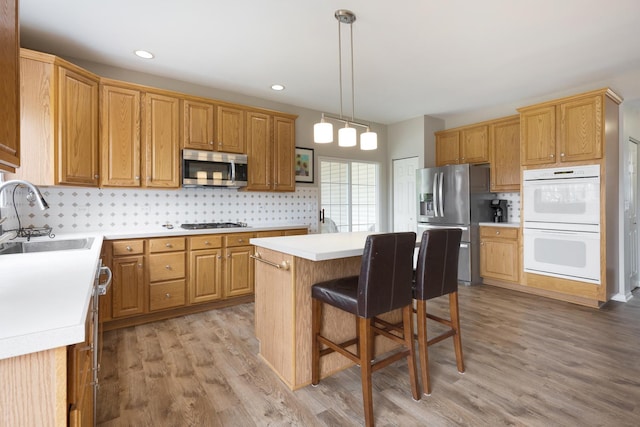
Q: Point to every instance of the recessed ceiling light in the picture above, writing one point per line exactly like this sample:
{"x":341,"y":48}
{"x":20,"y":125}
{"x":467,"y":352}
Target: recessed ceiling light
{"x":144,"y":54}
{"x":277,"y":87}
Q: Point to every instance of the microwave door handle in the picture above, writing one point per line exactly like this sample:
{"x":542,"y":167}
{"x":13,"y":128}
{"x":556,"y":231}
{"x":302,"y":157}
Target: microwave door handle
{"x":435,"y":194}
{"x":440,"y":196}
{"x":233,"y":171}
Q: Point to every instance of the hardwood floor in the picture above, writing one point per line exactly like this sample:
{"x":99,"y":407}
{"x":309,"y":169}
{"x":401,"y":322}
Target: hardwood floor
{"x":530,"y":361}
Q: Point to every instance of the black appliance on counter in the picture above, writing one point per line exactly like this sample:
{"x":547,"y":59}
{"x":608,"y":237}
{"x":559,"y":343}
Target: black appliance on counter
{"x":206,"y":225}
{"x":499,"y":207}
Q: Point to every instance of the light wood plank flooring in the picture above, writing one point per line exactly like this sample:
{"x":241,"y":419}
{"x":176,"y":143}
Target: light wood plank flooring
{"x":530,"y":361}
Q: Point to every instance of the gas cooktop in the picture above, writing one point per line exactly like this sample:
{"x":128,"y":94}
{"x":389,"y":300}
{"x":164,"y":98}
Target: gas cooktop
{"x":203,"y":225}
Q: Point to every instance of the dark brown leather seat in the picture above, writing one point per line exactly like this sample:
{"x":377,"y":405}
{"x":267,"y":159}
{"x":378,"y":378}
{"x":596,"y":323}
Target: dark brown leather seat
{"x":382,"y":286}
{"x":437,"y":275}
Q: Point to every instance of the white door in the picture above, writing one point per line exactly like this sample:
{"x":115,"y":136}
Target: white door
{"x":404,"y":194}
{"x":631,"y":213}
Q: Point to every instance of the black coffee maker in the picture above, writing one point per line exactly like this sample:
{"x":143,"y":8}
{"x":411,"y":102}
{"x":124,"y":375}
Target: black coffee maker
{"x":499,"y":207}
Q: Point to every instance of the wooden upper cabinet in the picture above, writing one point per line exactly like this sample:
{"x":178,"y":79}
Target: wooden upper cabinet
{"x":474,"y":144}
{"x":230,"y":130}
{"x":504,"y":149}
{"x":447,"y":148}
{"x":198,"y":125}
{"x":538,"y":136}
{"x":161,"y":136}
{"x":259,"y":151}
{"x":580,"y":129}
{"x":77,"y":128}
{"x":9,"y":86}
{"x":120,"y":136}
{"x":284,"y":153}
{"x":565,"y":130}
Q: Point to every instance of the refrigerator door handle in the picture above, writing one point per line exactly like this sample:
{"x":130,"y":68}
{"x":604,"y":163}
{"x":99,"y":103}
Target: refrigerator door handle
{"x":440,"y":197}
{"x":435,"y":194}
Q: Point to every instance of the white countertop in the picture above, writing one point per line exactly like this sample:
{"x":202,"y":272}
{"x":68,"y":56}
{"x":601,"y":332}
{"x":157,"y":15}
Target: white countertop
{"x":317,"y":247}
{"x":159,"y":231}
{"x":44,"y":297}
{"x":500,"y":224}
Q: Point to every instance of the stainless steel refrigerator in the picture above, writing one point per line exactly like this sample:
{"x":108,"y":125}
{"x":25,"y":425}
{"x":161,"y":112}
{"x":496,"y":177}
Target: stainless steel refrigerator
{"x":456,"y":196}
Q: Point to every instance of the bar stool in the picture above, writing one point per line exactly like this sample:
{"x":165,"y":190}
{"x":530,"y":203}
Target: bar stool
{"x":382,"y":286}
{"x":437,"y":275}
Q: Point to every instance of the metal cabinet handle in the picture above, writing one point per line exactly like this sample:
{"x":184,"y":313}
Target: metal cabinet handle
{"x":167,"y":295}
{"x":240,"y":240}
{"x":561,"y":154}
{"x":551,"y":156}
{"x":168,"y":245}
{"x":206,"y":243}
{"x":219,"y":256}
{"x":497,"y":232}
{"x":128,"y":248}
{"x":168,"y":267}
{"x":284,"y":265}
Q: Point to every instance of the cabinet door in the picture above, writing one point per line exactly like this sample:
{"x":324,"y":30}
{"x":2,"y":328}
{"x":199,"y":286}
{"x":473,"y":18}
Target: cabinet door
{"x":284,"y":153}
{"x":580,"y":124}
{"x":259,"y":151}
{"x":80,"y":377}
{"x":447,"y":148}
{"x":161,"y":141}
{"x":198,"y":125}
{"x":505,"y":155}
{"x":77,"y":129}
{"x":238,"y":271}
{"x":538,"y":136}
{"x":128,"y":286}
{"x":499,"y":259}
{"x":120,"y":136}
{"x":474,"y":145}
{"x":9,"y":86}
{"x":205,"y":275}
{"x":230,"y":130}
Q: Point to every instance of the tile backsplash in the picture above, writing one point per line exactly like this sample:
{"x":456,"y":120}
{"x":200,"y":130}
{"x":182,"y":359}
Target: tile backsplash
{"x":513,"y":205}
{"x":78,"y":209}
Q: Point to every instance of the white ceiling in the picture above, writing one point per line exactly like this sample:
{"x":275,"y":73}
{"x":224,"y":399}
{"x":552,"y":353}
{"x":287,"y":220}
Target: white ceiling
{"x":412,"y":57}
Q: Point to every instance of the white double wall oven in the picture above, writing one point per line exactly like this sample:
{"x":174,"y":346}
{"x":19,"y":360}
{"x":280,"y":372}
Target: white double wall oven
{"x":561,"y":222}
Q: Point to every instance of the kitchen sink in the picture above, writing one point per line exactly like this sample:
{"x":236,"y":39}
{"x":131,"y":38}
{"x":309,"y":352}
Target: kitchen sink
{"x":45,"y":246}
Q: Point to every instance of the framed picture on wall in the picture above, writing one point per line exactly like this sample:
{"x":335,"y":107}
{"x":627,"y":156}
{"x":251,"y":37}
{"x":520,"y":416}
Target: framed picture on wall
{"x":304,"y":164}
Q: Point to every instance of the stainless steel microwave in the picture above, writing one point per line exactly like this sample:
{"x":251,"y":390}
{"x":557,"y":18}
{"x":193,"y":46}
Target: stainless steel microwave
{"x":213,"y":169}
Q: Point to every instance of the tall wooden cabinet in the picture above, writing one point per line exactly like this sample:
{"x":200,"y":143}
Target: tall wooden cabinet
{"x":9,"y":86}
{"x":59,"y":121}
{"x":161,"y":137}
{"x":270,"y":151}
{"x":504,"y":154}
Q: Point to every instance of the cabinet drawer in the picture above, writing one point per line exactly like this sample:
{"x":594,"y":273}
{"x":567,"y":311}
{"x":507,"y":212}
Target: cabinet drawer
{"x":238,"y":239}
{"x":166,"y":266}
{"x":300,"y":232}
{"x":503,"y":232}
{"x":167,"y":294}
{"x":273,"y":233}
{"x":169,"y":244}
{"x":127,"y":247}
{"x":205,"y":242}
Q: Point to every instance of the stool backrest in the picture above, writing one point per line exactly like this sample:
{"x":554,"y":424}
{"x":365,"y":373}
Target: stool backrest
{"x":385,"y":274}
{"x":437,"y":269}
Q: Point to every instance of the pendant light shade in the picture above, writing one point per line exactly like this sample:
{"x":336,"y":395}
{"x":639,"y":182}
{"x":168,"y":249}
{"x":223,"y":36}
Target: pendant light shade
{"x":323,"y":132}
{"x":347,"y":136}
{"x":369,"y":140}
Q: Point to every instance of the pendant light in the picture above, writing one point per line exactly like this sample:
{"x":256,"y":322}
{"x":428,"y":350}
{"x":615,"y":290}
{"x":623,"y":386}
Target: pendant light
{"x":347,"y":136}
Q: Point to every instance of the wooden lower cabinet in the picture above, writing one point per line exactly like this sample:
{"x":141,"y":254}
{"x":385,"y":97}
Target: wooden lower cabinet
{"x":160,"y":278}
{"x":499,"y":254}
{"x":80,"y":377}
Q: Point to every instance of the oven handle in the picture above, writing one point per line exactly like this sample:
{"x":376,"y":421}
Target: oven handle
{"x":556,"y":181}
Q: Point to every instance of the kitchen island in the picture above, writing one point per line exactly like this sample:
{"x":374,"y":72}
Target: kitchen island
{"x":285,"y":270}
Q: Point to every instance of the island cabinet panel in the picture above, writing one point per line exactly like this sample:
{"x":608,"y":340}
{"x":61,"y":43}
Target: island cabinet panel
{"x":9,"y":86}
{"x":283,"y":315}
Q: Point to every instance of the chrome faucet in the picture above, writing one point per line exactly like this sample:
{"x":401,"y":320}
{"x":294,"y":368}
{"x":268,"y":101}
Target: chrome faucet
{"x":33,"y":192}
